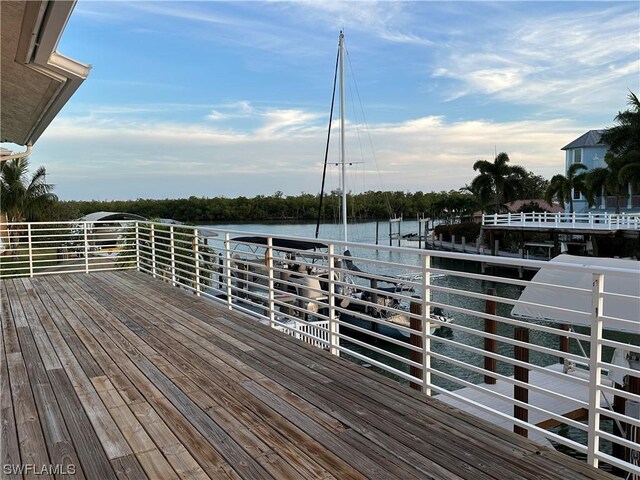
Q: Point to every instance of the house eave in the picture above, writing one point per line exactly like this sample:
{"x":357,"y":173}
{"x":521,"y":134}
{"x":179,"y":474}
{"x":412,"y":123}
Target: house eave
{"x":37,"y":81}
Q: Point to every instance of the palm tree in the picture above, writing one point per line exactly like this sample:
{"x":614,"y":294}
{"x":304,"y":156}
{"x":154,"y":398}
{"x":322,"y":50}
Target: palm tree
{"x":630,"y":172}
{"x":624,"y":137}
{"x":21,"y":199}
{"x":607,"y":179}
{"x":498,"y":180}
{"x":623,"y":140}
{"x":562,"y":187}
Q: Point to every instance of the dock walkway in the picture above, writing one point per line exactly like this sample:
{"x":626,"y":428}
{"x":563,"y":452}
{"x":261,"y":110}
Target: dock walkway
{"x":576,"y":391}
{"x":119,"y":375}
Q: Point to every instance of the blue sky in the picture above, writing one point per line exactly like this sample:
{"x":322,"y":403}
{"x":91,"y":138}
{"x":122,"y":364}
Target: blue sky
{"x":232,"y":98}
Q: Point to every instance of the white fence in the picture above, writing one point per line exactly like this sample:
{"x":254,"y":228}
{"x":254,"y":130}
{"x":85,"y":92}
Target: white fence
{"x":590,"y":221}
{"x":350,"y":304}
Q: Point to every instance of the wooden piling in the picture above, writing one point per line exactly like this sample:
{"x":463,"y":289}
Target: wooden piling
{"x":490,"y":345}
{"x":416,"y":340}
{"x":619,"y":406}
{"x":522,"y":374}
{"x":374,"y":300}
{"x":564,"y":342}
{"x":617,"y":450}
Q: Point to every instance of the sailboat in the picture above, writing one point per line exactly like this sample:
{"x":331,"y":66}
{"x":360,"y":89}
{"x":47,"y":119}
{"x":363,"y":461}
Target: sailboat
{"x":385,"y":304}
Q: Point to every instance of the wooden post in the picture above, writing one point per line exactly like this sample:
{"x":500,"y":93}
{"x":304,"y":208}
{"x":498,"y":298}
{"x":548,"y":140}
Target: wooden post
{"x":419,"y":233}
{"x":520,"y":269}
{"x":564,"y":342}
{"x":522,"y":374}
{"x":464,"y":244}
{"x":416,"y":340}
{"x":453,"y":243}
{"x":377,"y":227}
{"x":617,"y":450}
{"x":374,"y":300}
{"x":490,"y":345}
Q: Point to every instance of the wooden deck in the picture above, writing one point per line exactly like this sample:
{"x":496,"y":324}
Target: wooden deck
{"x":118,"y":375}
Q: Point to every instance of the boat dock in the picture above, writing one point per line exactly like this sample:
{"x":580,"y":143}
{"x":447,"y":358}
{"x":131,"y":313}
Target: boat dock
{"x":119,"y":375}
{"x":574,"y":390}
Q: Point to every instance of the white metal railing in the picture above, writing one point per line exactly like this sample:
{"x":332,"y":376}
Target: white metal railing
{"x":381,"y":316}
{"x":590,"y":220}
{"x":32,"y":249}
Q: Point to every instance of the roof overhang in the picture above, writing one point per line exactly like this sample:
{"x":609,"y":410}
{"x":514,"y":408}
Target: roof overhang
{"x":36,"y":81}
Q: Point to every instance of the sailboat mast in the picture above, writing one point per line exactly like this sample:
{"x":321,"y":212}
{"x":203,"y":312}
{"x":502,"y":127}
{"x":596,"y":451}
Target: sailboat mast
{"x":342,"y":155}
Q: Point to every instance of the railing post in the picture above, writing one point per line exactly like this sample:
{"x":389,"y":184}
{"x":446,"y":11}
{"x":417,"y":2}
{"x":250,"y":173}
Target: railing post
{"x":86,"y":248}
{"x":196,"y":258}
{"x":426,"y":325}
{"x":173,"y":255}
{"x":490,"y":327}
{"x":270,"y":283}
{"x":595,"y":369}
{"x":29,"y":240}
{"x":334,"y":327}
{"x":152,"y":238}
{"x":137,"y":246}
{"x":227,"y":269}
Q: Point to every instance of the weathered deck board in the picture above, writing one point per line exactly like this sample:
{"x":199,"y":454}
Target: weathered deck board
{"x":125,"y":376}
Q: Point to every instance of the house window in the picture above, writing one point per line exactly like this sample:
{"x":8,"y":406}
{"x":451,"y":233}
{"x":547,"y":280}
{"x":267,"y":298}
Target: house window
{"x":577,"y":155}
{"x":577,"y":195}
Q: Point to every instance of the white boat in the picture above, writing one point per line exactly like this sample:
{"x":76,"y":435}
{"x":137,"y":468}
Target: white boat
{"x":546,"y":299}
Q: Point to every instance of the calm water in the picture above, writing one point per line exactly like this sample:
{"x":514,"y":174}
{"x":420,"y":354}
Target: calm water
{"x":366,"y":233}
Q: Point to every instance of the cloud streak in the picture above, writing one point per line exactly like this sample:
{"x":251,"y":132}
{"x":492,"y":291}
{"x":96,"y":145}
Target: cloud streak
{"x":580,"y":61}
{"x":285,"y":153}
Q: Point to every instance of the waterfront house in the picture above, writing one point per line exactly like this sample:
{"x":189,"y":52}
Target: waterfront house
{"x":590,"y":150}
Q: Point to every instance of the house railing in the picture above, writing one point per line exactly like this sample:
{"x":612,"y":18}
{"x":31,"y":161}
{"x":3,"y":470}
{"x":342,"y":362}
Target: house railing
{"x":382,"y":315}
{"x":591,"y":221}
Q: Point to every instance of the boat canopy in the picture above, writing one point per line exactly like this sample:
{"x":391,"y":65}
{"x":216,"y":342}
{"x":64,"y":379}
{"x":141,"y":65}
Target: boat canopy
{"x":106,"y":216}
{"x":290,"y":244}
{"x":570,"y":307}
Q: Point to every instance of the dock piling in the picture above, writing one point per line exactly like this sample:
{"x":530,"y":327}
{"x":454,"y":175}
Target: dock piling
{"x":490,"y":345}
{"x":522,"y":374}
{"x":416,"y":340}
{"x":564,"y":342}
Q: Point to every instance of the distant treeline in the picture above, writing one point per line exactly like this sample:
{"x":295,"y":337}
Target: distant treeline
{"x":366,"y":206}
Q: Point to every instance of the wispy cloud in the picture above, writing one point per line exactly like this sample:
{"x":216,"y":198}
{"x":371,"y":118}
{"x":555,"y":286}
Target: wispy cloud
{"x":578,"y":60}
{"x":285,"y":153}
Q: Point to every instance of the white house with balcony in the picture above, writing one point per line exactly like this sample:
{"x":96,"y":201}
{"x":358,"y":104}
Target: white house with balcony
{"x":589,"y":150}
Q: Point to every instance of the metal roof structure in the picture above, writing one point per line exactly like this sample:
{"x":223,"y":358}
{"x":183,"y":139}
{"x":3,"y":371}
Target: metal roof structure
{"x":105,"y":216}
{"x":589,"y":139}
{"x":36,"y":81}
